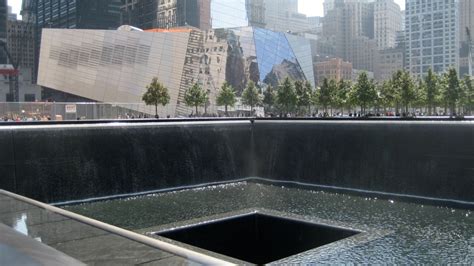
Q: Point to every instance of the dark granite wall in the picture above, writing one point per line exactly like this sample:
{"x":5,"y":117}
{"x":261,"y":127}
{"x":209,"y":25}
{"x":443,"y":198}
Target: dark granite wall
{"x":58,"y":164}
{"x":416,"y":158}
{"x":54,"y":164}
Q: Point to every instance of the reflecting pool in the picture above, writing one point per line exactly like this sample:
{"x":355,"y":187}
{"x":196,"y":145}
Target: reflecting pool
{"x":395,"y":232}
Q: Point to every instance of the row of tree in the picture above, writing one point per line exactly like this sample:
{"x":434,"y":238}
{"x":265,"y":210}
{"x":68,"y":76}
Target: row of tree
{"x":401,"y":93}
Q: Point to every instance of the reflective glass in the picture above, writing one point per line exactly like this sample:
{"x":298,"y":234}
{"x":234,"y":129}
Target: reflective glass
{"x":228,"y":14}
{"x":302,"y":49}
{"x":275,"y":57}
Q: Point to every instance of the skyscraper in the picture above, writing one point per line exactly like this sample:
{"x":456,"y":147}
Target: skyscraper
{"x":328,"y":5}
{"x":3,"y":28}
{"x":99,"y":14}
{"x":466,"y":18}
{"x":432,"y":32}
{"x":387,"y":21}
{"x":349,"y":26}
{"x":283,"y":15}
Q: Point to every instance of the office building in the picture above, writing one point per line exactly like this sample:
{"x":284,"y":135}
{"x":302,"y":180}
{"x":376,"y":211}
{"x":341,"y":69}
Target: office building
{"x":349,"y":26}
{"x":98,"y":14}
{"x":466,"y":21}
{"x":388,"y":62}
{"x":283,"y":15}
{"x":387,"y":21}
{"x":21,"y":43}
{"x":432,"y":35}
{"x":3,"y":29}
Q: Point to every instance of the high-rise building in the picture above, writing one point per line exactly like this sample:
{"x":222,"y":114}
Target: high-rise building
{"x":11,"y":16}
{"x":202,"y":14}
{"x":315,"y":25}
{"x":3,"y":28}
{"x":466,"y":18}
{"x":21,"y":43}
{"x":283,"y":15}
{"x":127,"y":8}
{"x":256,"y":13}
{"x":388,"y":62}
{"x":28,"y":11}
{"x":432,"y":34}
{"x":178,"y":13}
{"x":349,"y":25}
{"x":328,"y":5}
{"x":99,"y":14}
{"x":387,"y":21}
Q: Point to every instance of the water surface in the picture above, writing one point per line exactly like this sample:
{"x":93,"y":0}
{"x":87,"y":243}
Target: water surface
{"x":417,"y":233}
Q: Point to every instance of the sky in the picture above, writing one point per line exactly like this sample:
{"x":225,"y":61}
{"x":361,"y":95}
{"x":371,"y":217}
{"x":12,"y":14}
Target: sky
{"x":308,"y":7}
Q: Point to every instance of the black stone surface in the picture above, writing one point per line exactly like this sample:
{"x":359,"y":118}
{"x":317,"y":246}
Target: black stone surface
{"x":258,"y":238}
{"x":415,"y":158}
{"x":7,"y":161}
{"x":58,"y":164}
{"x":70,"y":162}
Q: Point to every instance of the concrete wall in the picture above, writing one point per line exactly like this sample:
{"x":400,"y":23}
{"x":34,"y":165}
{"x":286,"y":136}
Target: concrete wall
{"x":69,"y":162}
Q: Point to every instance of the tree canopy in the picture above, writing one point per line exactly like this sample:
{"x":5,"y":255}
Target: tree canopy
{"x":226,"y":97}
{"x":156,"y":94}
{"x":286,"y":96}
{"x":195,"y":96}
{"x":251,"y":97}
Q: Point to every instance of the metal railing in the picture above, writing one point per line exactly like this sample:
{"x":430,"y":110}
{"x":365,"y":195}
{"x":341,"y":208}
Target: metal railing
{"x":44,"y":111}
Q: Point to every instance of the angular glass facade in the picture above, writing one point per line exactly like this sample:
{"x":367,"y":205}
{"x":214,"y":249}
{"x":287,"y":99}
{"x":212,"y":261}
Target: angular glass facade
{"x":81,"y":62}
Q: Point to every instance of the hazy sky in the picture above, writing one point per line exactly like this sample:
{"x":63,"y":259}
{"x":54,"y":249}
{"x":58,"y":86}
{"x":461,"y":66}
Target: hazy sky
{"x":308,"y":7}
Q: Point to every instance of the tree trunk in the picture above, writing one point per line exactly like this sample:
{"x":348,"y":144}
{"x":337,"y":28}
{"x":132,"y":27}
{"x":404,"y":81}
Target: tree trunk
{"x":226,"y":113}
{"x":156,"y":110}
{"x":196,"y":110}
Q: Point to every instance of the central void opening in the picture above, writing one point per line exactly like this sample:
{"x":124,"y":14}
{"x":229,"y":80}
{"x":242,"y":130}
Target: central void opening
{"x":258,"y":238}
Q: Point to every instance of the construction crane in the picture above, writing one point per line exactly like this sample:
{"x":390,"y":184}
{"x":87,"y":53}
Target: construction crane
{"x":12,"y":74}
{"x":470,"y":44}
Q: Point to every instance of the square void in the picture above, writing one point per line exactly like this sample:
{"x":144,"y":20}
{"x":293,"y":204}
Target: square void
{"x":258,"y":238}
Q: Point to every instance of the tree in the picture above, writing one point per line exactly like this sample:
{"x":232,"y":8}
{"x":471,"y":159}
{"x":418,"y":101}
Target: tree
{"x":420,"y":99}
{"x":364,"y":93}
{"x":451,"y":93}
{"x":195,"y":97}
{"x":341,"y":98}
{"x":324,"y":95}
{"x":387,"y":95}
{"x":468,"y":94}
{"x":156,"y":94}
{"x":226,"y":97}
{"x":303,"y":95}
{"x":396,"y":84}
{"x":251,"y":97}
{"x":431,"y":90}
{"x":269,"y":97}
{"x":407,"y":90}
{"x":286,"y":96}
